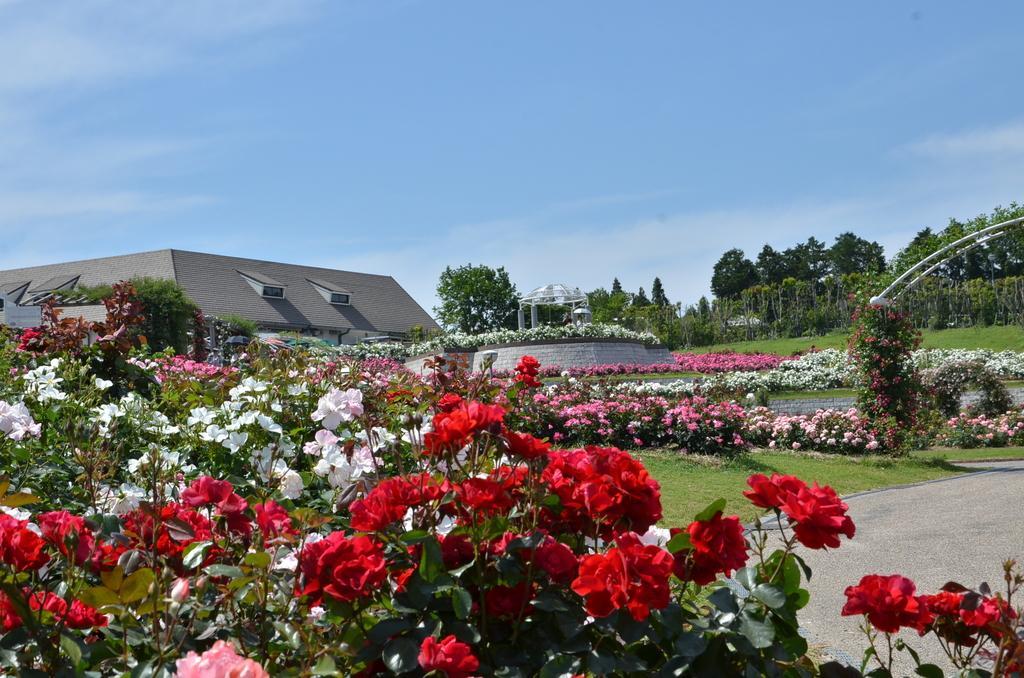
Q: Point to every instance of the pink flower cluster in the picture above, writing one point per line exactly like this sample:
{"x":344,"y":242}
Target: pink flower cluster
{"x":971,"y":430}
{"x":707,"y":363}
{"x":842,"y":431}
{"x":182,"y":366}
{"x":585,"y":417}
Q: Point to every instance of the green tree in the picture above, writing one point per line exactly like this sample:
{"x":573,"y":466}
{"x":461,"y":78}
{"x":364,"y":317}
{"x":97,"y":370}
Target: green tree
{"x":608,"y":307}
{"x":640,"y":299}
{"x":616,"y":286}
{"x":658,"y":297}
{"x":733,"y":273}
{"x":476,"y":299}
{"x":852,"y":254}
{"x":772,"y":266}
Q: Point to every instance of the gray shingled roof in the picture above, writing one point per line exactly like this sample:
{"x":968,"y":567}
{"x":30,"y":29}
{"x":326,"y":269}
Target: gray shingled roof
{"x":378,"y":302}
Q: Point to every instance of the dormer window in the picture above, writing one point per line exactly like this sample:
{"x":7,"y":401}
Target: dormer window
{"x":331,"y":292}
{"x":263,"y":284}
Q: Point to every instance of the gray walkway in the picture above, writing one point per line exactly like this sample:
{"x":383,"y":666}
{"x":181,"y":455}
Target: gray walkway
{"x":959,"y":529}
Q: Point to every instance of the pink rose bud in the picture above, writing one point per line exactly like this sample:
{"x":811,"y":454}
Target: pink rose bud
{"x":179,"y":592}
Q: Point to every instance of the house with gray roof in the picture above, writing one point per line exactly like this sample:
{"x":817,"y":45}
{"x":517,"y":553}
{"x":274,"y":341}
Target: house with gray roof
{"x":337,"y":306}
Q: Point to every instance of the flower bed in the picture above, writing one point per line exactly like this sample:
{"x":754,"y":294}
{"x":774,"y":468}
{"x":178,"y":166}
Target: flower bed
{"x":318,"y":517}
{"x":841,"y":431}
{"x":711,"y":363}
{"x":977,"y":430}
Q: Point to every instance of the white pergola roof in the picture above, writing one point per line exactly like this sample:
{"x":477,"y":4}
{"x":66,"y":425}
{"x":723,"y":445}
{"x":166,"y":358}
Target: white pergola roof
{"x":552,"y":294}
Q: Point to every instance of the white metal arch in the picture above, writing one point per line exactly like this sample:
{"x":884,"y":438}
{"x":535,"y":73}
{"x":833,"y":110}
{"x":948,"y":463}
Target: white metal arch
{"x":916,"y":273}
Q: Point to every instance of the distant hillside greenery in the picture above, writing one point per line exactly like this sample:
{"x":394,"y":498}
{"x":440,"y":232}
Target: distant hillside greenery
{"x":809,"y":289}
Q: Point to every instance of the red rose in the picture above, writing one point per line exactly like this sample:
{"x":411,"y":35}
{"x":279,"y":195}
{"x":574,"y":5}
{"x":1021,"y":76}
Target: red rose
{"x":207,"y":491}
{"x":771,"y":493}
{"x":630,"y":575}
{"x":9,"y":619}
{"x":449,"y":401}
{"x":482,"y":497}
{"x":602,"y":485}
{"x":389,"y":501}
{"x":20,"y":547}
{"x":78,"y":615}
{"x":888,"y":602}
{"x":508,"y":602}
{"x":455,"y":429}
{"x":718,"y":547}
{"x":456,"y":550}
{"x":558,"y":561}
{"x":344,"y":568}
{"x":67,"y":533}
{"x":527,"y":371}
{"x":178,"y":527}
{"x":525,"y":446}
{"x":448,"y":656}
{"x":273,"y":520}
{"x":820,"y":517}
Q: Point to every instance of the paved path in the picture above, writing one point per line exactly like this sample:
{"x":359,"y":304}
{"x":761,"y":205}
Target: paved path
{"x":959,"y":529}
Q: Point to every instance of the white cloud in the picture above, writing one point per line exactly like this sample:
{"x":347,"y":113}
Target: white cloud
{"x":1006,"y":139}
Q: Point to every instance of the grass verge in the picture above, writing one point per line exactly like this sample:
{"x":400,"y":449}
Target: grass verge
{"x":978,"y":454}
{"x":690,"y":482}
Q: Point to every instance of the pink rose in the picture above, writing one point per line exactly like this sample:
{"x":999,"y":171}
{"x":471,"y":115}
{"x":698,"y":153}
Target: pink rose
{"x":220,"y":661}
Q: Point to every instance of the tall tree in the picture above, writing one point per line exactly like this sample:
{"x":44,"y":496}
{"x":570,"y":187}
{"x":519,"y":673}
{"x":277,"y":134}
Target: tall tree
{"x":476,"y":299}
{"x":733,"y":273}
{"x":658,"y":296}
{"x":772,"y":266}
{"x":809,"y":260}
{"x":640,"y":299}
{"x":607,"y":307}
{"x":616,"y":286}
{"x":852,"y":254}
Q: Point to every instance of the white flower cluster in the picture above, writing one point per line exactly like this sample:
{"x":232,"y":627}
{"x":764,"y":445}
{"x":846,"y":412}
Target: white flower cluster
{"x":43,"y":382}
{"x":1007,"y":364}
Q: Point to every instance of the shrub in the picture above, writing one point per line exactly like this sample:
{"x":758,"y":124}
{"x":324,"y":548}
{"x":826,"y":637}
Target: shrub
{"x":947,"y":384}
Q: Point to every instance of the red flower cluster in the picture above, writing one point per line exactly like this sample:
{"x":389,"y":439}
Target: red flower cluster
{"x":557,"y":560}
{"x":888,"y":602}
{"x":817,"y":513}
{"x":207,"y":491}
{"x":630,"y":575}
{"x":178,"y":527}
{"x":455,"y":428}
{"x":960,"y":615}
{"x":717,"y":547}
{"x":527,"y":371}
{"x":448,"y":656}
{"x":73,"y":538}
{"x":20,"y":547}
{"x":77,"y":615}
{"x":344,"y":568}
{"x":602,"y":485}
{"x":389,"y":501}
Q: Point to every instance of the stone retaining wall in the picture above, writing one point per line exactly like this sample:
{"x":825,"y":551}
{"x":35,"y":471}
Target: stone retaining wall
{"x":575,"y":352}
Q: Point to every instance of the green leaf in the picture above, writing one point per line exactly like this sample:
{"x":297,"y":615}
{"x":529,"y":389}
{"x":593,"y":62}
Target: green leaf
{"x":136,"y":586}
{"x":759,"y":633}
{"x":325,"y":667}
{"x":195,"y":553}
{"x":112,"y":578}
{"x":431,"y":561}
{"x":680,"y":542}
{"x":746,"y":576}
{"x":400,"y":655}
{"x":929,"y":671}
{"x":220,"y":570}
{"x":462,"y":602}
{"x":772,"y":596}
{"x":714,"y":507}
{"x":258,"y":559}
{"x":71,"y":648}
{"x":562,"y":666}
{"x":387,"y":628}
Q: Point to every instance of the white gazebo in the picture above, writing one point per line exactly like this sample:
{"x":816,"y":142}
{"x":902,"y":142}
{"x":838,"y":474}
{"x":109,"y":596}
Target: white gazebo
{"x":555,"y":294}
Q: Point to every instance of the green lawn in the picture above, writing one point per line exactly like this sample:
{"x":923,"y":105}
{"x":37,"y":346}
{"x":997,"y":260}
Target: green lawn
{"x":689,"y":483}
{"x":996,"y":338}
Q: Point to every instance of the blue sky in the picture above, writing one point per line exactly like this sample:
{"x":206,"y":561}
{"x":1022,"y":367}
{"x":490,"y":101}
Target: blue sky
{"x":570,"y":141}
